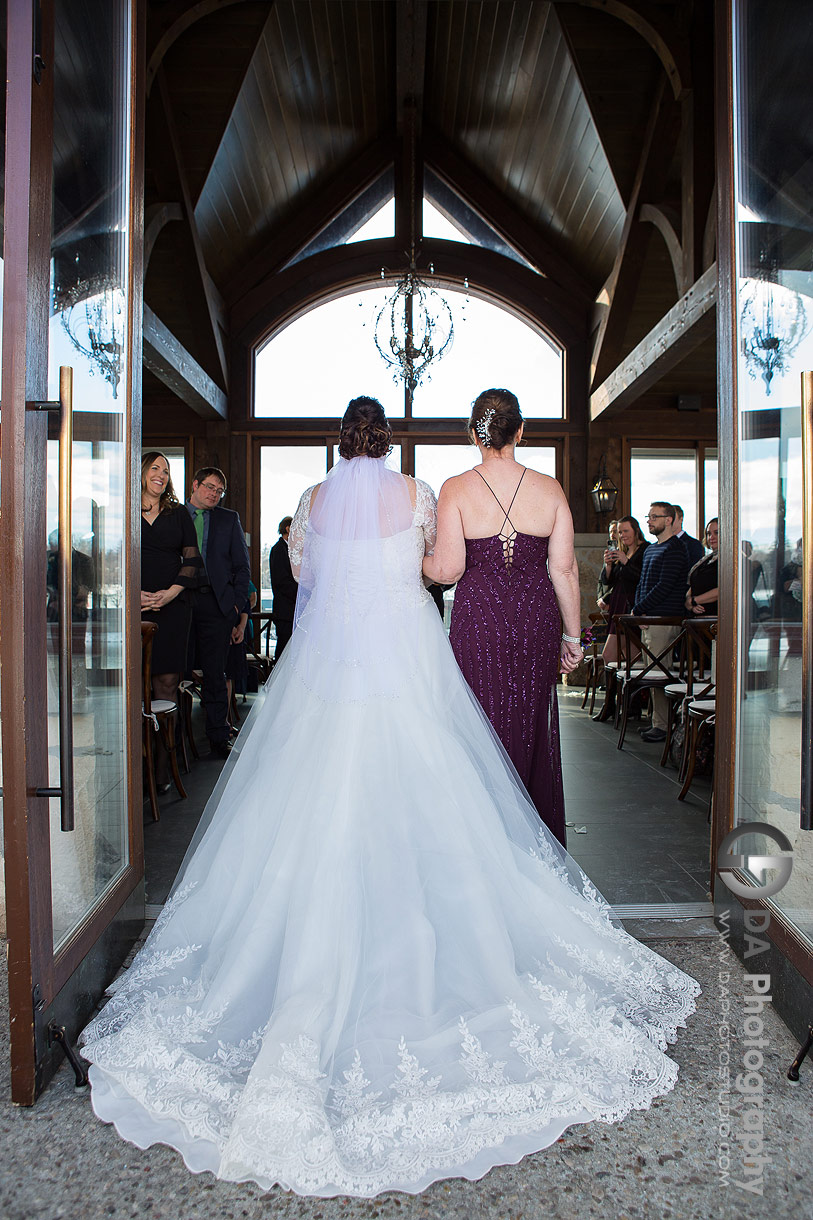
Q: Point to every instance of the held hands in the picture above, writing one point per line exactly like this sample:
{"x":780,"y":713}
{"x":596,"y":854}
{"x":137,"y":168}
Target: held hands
{"x":237,"y":634}
{"x":154,"y":601}
{"x":570,"y":657}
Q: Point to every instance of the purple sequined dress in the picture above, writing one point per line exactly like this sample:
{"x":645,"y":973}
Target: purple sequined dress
{"x":506,"y":635}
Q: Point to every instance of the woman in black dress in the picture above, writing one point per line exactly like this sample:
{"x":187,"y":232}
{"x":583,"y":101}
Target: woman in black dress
{"x":170,"y":564}
{"x":619,"y":578}
{"x":701,"y":596}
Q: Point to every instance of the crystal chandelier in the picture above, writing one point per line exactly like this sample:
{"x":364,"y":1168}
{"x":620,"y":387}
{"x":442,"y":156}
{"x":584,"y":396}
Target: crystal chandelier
{"x":94,"y":316}
{"x":773,"y":322}
{"x":413,"y":328}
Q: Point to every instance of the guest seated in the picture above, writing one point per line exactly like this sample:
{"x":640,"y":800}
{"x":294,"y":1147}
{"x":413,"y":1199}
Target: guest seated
{"x":701,"y":595}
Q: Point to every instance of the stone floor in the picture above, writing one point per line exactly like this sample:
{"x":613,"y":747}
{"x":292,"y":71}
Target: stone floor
{"x":640,"y":846}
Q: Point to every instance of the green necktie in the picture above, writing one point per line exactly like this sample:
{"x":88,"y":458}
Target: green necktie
{"x":199,"y":528}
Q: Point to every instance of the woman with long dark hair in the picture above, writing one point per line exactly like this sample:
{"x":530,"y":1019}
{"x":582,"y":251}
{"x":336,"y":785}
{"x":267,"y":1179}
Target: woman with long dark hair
{"x":170,"y":564}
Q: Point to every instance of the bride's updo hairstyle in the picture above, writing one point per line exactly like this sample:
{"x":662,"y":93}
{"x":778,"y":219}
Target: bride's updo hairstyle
{"x":495,"y":418}
{"x":365,"y":431}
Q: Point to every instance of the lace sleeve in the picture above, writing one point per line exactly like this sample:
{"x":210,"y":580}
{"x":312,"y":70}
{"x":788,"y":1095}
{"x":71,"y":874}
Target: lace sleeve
{"x":296,"y":534}
{"x":426,"y":514}
{"x":189,"y":572}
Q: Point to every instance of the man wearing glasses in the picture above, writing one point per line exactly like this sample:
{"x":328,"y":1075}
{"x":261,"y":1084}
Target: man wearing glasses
{"x":219,"y":598}
{"x":661,"y":592}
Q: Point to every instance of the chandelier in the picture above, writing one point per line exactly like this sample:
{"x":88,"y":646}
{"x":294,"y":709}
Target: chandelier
{"x":773,"y":322}
{"x":94,"y":315}
{"x":413,"y":328}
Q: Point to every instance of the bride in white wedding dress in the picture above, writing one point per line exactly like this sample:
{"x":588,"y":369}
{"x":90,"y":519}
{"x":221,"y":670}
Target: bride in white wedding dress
{"x":377,"y":967}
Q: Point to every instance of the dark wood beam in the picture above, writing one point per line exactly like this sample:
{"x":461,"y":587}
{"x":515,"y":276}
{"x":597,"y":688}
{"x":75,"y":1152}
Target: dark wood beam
{"x":685,"y":326}
{"x":666,"y":226}
{"x":697,"y":145}
{"x":155,"y":217}
{"x":410,"y":66}
{"x":476,"y":190}
{"x":169,"y":360}
{"x":172,"y":21}
{"x":343,"y":269}
{"x":215,"y":315}
{"x":312,"y":216}
{"x":618,"y":294}
{"x":648,"y":19}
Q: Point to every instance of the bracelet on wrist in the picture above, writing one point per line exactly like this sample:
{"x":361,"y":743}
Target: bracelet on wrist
{"x":572,"y":639}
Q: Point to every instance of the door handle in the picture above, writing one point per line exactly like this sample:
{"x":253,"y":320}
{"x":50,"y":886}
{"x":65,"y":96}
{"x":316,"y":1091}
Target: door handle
{"x":807,"y":607}
{"x":65,"y":569}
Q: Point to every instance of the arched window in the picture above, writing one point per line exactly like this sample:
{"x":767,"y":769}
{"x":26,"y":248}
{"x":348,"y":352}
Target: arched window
{"x":322,"y":359}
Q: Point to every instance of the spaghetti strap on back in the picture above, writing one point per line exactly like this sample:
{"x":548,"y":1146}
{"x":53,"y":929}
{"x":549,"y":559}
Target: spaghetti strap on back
{"x":507,"y":540}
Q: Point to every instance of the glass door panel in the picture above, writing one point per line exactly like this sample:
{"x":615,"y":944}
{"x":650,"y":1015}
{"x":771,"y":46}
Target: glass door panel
{"x":88,"y":327}
{"x":774,"y":254}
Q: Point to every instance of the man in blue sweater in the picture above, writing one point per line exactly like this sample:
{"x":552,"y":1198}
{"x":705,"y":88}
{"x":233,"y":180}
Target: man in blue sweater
{"x":661,"y":592}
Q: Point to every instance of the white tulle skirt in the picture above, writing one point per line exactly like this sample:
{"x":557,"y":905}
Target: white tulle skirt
{"x":378,"y":968}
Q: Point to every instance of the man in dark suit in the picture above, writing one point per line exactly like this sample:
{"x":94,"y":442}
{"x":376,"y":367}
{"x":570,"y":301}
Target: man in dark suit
{"x":694,"y":547}
{"x":220,"y":597}
{"x":283,"y":586}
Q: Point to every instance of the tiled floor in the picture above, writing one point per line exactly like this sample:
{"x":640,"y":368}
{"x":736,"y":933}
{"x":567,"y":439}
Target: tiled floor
{"x":640,"y":843}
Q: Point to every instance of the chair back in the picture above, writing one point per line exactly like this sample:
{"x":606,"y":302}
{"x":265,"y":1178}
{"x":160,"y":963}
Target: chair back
{"x":701,"y":634}
{"x":654,"y":666}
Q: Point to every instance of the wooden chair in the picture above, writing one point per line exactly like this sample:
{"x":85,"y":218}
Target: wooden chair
{"x":610,"y":671}
{"x":700,"y":712}
{"x":645,"y":670}
{"x":261,"y":658}
{"x":186,"y":701}
{"x":593,"y":660}
{"x":698,"y":682}
{"x":157,"y":715}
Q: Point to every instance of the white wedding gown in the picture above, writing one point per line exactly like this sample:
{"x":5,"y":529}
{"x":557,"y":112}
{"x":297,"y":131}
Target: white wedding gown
{"x":377,"y":967}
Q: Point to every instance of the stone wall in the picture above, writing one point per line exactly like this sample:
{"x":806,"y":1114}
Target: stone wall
{"x":590,"y":557}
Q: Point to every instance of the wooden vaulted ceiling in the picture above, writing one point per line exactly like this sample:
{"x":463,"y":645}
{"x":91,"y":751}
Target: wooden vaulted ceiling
{"x":268,"y":118}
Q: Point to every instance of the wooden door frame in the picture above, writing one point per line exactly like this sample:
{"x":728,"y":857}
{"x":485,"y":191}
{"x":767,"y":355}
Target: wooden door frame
{"x":44,"y":986}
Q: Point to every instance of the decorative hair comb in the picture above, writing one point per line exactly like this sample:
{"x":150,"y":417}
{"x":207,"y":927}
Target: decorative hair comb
{"x":483,"y":427}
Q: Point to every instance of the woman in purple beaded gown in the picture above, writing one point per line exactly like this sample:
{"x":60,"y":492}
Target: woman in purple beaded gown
{"x":505,"y":533}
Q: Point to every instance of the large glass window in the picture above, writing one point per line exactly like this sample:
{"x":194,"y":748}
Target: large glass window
{"x":437,"y":463}
{"x":314,"y":366}
{"x":664,"y":474}
{"x":774,"y":253}
{"x":285,"y":472}
{"x":710,"y":491}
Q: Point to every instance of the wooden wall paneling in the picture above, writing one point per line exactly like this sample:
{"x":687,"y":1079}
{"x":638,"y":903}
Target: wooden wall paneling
{"x":502,"y":215}
{"x":528,"y":165}
{"x":291,"y":124}
{"x":618,"y":100}
{"x":317,"y":210}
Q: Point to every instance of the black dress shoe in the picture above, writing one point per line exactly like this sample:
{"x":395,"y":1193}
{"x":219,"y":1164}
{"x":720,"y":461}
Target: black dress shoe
{"x":163,"y":789}
{"x":654,"y":735}
{"x":221,"y":748}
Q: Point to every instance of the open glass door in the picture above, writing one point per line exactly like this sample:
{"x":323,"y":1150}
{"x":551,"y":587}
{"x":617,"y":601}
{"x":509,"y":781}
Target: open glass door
{"x":70,"y":443}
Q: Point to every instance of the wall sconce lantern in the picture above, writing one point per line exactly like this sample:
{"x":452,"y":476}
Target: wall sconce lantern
{"x":605,"y":492}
